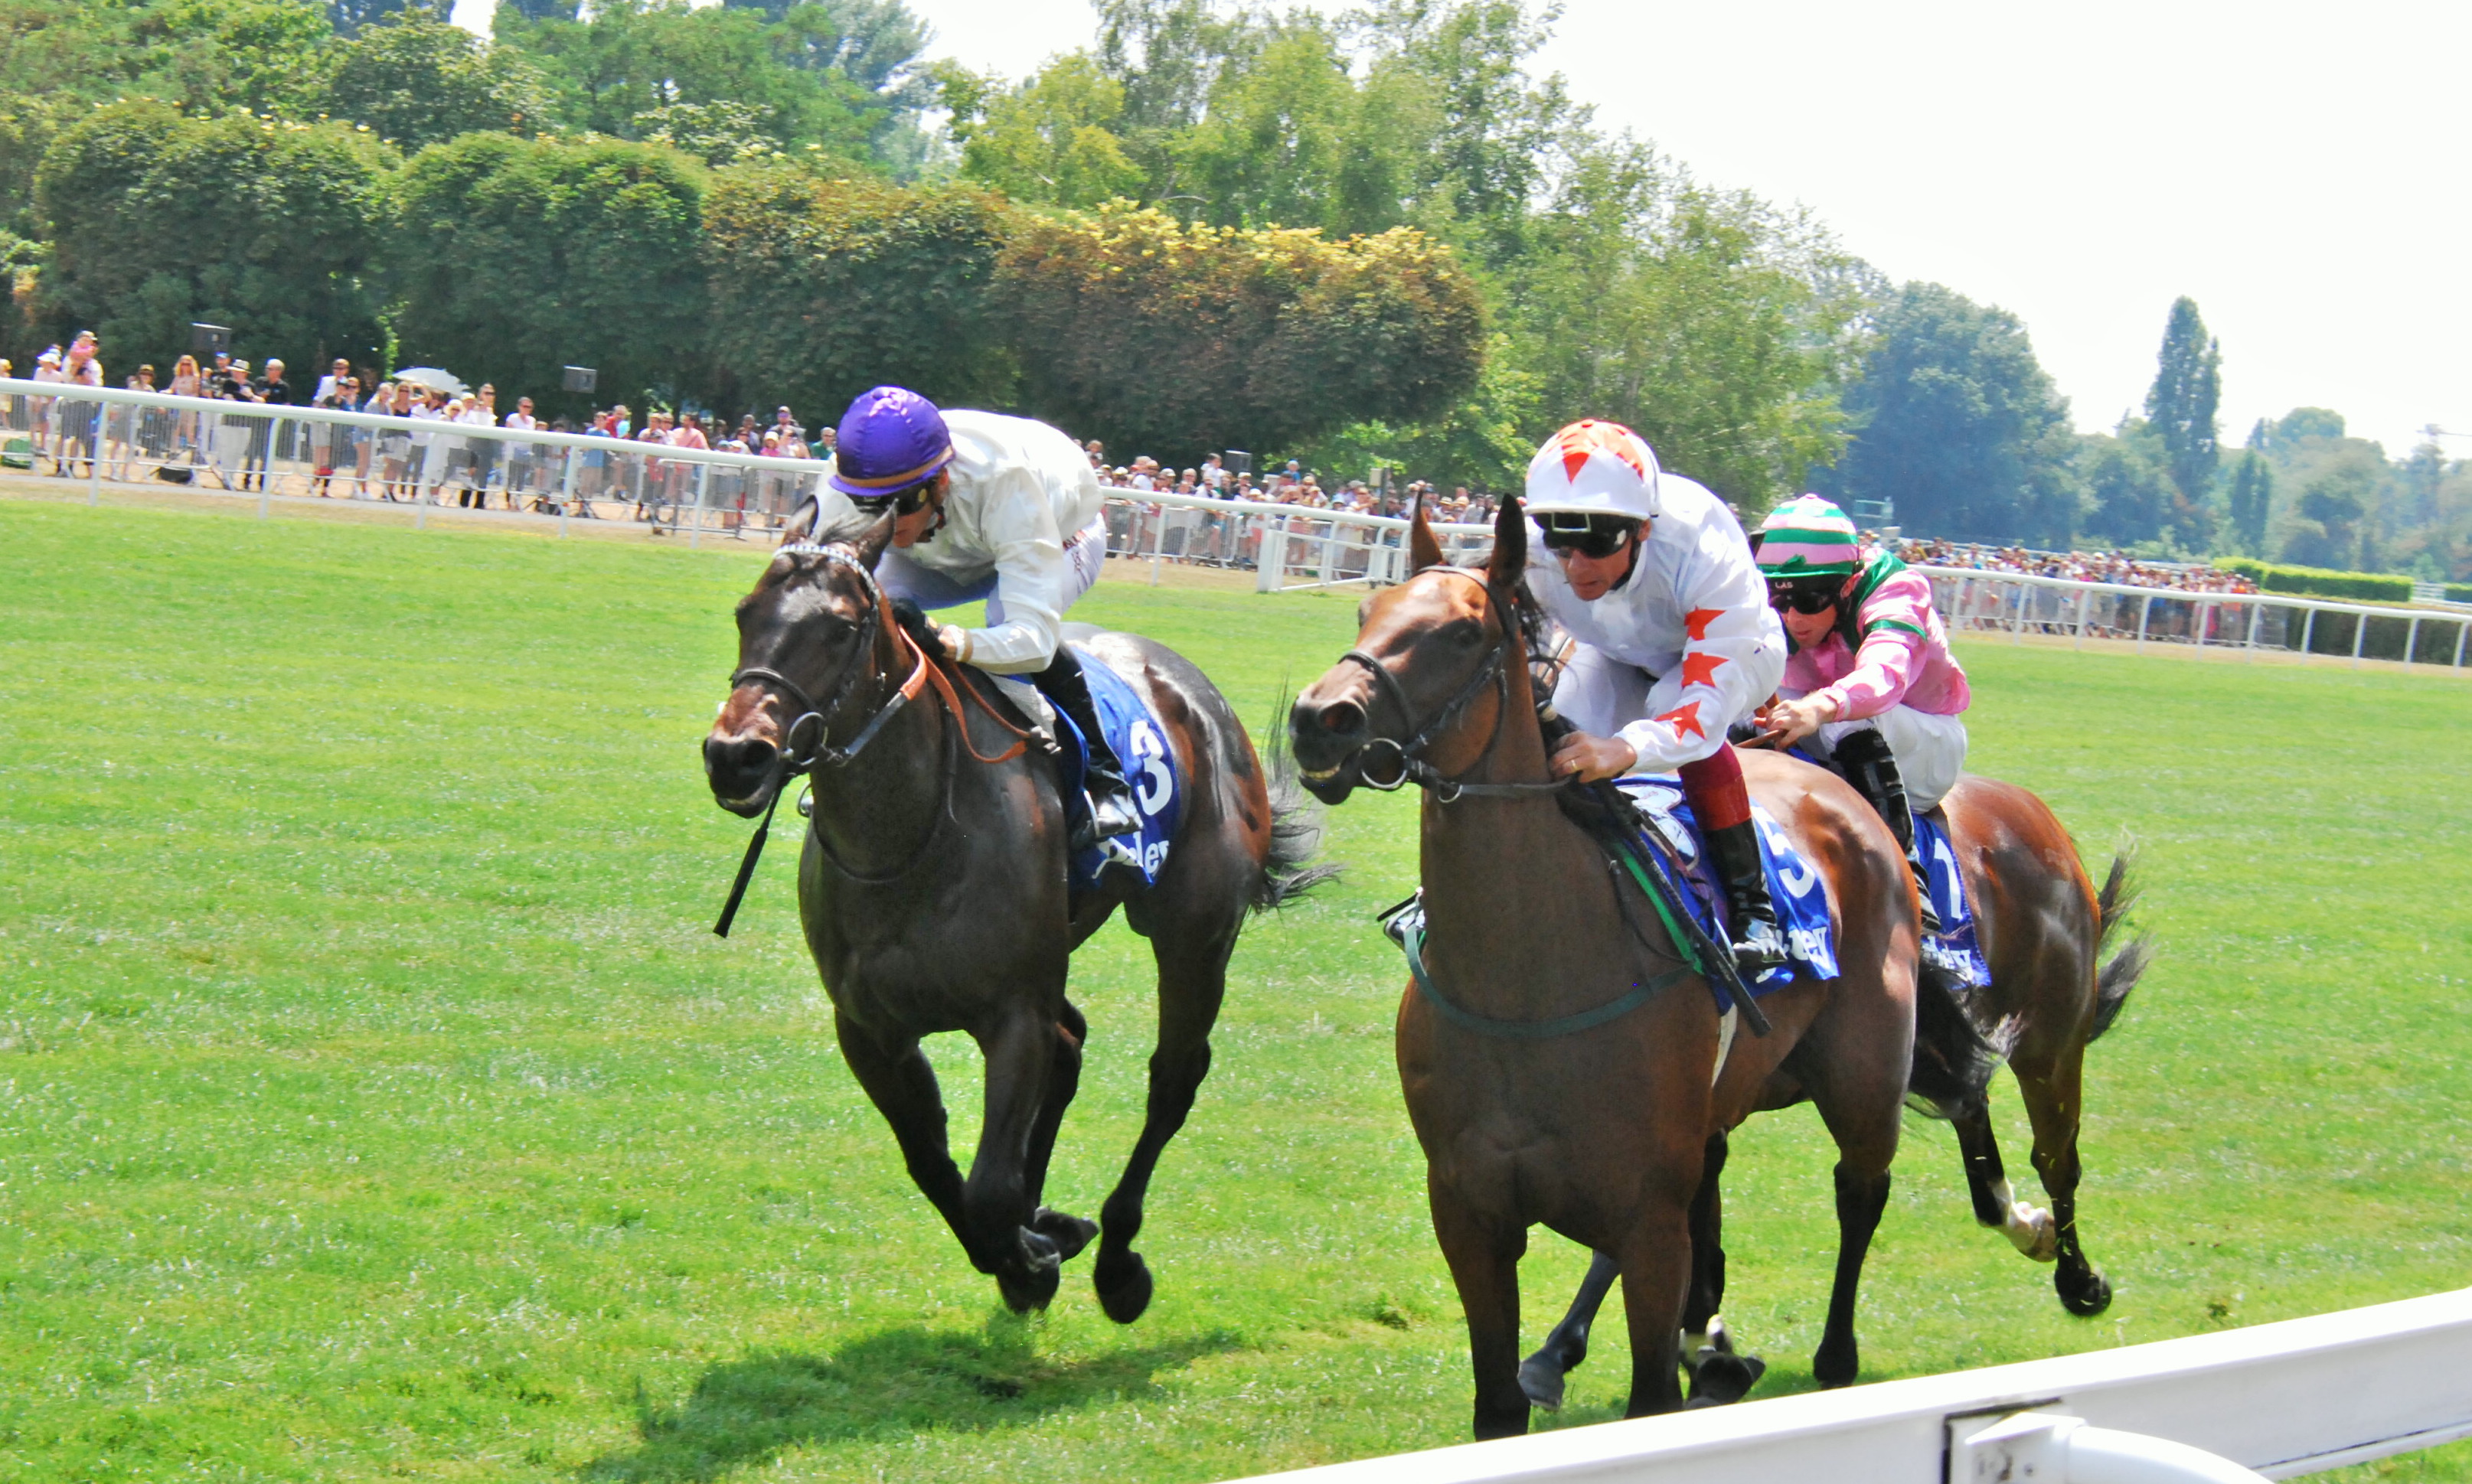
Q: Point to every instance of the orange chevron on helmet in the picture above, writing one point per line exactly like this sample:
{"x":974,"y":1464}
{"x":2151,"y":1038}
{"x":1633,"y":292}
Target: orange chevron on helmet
{"x":1594,"y":467}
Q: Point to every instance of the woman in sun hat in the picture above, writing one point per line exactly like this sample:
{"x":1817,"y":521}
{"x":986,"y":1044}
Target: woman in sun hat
{"x":994,"y":507}
{"x":1870,"y":682}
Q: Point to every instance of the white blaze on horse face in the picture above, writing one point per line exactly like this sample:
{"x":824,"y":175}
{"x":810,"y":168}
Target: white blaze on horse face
{"x":2029,"y":1229}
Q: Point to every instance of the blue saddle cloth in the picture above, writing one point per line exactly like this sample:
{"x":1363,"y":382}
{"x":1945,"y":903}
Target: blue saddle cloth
{"x":1956,"y":949}
{"x":1795,"y":888}
{"x":1139,"y":741}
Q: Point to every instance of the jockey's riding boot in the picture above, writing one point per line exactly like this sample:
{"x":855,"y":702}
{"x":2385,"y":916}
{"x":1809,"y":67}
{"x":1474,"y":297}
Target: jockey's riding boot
{"x":1864,"y":758}
{"x":1113,"y":811}
{"x":1734,"y":854}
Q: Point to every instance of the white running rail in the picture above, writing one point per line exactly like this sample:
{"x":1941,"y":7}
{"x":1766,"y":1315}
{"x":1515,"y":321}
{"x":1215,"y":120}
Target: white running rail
{"x":2278,"y":1400}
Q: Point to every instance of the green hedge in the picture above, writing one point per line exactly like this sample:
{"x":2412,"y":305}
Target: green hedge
{"x":2320,"y":583}
{"x":2459,"y":592}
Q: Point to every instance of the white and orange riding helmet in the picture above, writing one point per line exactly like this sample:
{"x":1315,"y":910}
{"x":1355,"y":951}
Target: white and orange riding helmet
{"x":1593,"y":468}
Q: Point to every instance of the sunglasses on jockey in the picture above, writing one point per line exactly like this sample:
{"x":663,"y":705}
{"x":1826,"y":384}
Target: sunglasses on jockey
{"x":903,"y":501}
{"x":1806,"y":596}
{"x":1575,"y":533}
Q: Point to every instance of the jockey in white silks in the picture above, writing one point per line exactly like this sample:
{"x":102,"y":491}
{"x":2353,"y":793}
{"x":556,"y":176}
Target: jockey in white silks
{"x":1651,"y":576}
{"x":994,"y":507}
{"x":1870,"y":678}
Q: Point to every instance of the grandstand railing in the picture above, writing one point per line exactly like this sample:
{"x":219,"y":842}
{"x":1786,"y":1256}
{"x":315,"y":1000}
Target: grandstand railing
{"x":1287,"y":547}
{"x":2017,"y":603}
{"x":2276,"y":1400}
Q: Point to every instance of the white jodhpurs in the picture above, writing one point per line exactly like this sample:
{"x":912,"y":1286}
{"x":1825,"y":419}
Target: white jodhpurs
{"x":1930,"y":750}
{"x":1086,"y":553}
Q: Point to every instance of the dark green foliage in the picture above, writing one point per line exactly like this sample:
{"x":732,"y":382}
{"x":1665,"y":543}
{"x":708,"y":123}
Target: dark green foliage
{"x":823,"y":287}
{"x":2249,"y":498}
{"x":418,"y":81}
{"x":2180,"y":405}
{"x":2306,"y":422}
{"x":518,"y":257}
{"x":160,"y":220}
{"x":2332,"y":503}
{"x":2318,"y":582}
{"x":350,"y":15}
{"x":1959,"y":426}
{"x":1174,"y":338}
{"x":2129,"y":484}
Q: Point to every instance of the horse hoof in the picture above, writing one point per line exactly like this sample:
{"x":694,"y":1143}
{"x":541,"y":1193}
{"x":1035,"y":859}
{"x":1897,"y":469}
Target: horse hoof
{"x":1126,"y":1300}
{"x":1718,"y":1376}
{"x":1542,"y":1379}
{"x":1024,"y":1293}
{"x":1836,"y":1365}
{"x":2083,"y":1295}
{"x":1069,"y":1233}
{"x":2036,"y":1235}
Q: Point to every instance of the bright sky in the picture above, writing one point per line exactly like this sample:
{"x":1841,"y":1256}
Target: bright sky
{"x":2295,"y":169}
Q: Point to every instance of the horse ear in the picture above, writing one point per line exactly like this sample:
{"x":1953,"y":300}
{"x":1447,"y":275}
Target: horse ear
{"x":872,"y":541}
{"x":1508,"y":567}
{"x":801,"y":525}
{"x":1423,"y":551}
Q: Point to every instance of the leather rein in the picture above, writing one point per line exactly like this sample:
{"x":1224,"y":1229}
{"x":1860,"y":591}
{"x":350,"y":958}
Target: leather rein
{"x":1408,"y":757}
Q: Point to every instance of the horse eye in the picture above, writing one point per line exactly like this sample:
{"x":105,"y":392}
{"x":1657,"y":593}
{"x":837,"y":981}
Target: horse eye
{"x":1467,"y":633}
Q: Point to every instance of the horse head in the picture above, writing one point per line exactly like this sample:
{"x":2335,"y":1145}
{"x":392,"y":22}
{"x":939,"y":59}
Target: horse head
{"x":804,"y":641}
{"x":1409,"y":701}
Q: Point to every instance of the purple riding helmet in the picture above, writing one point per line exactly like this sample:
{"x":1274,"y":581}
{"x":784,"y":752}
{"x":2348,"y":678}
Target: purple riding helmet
{"x":891,"y":439}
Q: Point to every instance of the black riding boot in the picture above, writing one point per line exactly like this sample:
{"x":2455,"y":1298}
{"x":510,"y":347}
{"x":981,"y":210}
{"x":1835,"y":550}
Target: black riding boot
{"x":1112,"y":808}
{"x":1734,"y":854}
{"x":1864,"y":758}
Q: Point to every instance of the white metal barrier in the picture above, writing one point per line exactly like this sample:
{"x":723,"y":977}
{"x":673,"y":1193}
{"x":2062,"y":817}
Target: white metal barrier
{"x":2019,"y":604}
{"x":2281,"y":1400}
{"x":1286,"y":547}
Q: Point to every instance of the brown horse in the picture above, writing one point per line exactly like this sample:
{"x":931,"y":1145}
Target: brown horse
{"x":933,"y":889}
{"x":2043,"y":929}
{"x":1601,"y":1133}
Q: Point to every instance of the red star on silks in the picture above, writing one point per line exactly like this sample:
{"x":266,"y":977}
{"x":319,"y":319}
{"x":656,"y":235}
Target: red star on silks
{"x":1685,"y":718}
{"x":1582,"y":438}
{"x":1698,"y":620}
{"x":1700,"y":668}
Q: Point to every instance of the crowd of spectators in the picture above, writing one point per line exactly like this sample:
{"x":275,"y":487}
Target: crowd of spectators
{"x":2117,"y":568}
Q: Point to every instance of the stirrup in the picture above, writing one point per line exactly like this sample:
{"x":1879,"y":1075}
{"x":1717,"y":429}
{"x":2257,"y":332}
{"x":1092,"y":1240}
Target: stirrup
{"x":1762,"y":947}
{"x":1110,"y":817}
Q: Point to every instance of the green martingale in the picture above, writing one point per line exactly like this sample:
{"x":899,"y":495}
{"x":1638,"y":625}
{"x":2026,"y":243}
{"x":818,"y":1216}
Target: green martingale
{"x":375,"y":1101}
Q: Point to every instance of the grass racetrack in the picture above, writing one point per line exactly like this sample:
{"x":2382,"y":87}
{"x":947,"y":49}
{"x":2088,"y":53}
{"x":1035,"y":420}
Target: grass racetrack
{"x":376,"y":1103}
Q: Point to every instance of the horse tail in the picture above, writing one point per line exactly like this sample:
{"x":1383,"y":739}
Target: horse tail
{"x":1296,"y":829}
{"x":2119,"y":974}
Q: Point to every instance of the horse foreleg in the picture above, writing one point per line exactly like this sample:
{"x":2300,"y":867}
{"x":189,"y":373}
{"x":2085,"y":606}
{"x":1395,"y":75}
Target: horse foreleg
{"x":997,"y":1200}
{"x":1862,"y":1196}
{"x":1483,"y":1258}
{"x":1191,"y":985}
{"x":1656,"y":1282}
{"x":1069,"y":1233}
{"x":1996,"y":1205}
{"x":899,"y":1080}
{"x":1716,"y":1373}
{"x":1540,"y":1375}
{"x":2051,"y":1103}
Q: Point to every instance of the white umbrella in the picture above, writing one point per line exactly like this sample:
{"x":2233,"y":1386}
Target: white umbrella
{"x":432,"y":377}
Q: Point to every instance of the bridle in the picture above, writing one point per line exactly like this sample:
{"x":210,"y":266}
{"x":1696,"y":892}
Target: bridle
{"x":1408,"y":757}
{"x":796,"y":762}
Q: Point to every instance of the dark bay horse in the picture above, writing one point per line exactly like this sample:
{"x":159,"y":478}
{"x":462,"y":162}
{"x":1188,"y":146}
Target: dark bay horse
{"x":2044,"y":930}
{"x":933,"y":890}
{"x":1601,"y":1134}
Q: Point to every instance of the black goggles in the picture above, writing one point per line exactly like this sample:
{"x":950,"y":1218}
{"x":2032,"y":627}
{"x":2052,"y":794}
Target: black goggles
{"x":1594,"y":537}
{"x":903,"y":501}
{"x":1807,"y":596}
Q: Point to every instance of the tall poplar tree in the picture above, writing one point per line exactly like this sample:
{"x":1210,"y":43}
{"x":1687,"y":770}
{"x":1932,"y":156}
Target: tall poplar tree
{"x":2180,"y":406}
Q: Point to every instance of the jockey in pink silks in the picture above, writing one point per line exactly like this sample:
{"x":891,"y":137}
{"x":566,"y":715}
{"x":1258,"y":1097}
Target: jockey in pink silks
{"x":1870,"y":682}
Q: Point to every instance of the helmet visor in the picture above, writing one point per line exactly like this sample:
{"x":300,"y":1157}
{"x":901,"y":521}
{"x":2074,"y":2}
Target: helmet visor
{"x":1570,"y":532}
{"x":1807,"y":596}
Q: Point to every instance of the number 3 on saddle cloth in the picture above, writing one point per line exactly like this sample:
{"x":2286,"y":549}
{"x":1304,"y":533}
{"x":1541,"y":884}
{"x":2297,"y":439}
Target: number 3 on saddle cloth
{"x":1795,"y":888}
{"x":1140,"y":743}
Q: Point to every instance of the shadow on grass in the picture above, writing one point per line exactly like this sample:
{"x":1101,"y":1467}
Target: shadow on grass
{"x":893,"y":1385}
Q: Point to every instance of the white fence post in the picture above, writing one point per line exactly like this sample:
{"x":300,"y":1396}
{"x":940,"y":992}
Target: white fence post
{"x":2360,"y":636}
{"x":2145,"y":611}
{"x":2255,"y":609}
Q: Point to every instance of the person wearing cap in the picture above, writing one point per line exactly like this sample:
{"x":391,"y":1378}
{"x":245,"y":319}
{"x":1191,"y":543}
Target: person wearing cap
{"x":1869,"y":680}
{"x":996,"y":507}
{"x":1654,"y":579}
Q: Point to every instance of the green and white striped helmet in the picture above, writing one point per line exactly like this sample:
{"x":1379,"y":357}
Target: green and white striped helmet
{"x":1808,"y":537}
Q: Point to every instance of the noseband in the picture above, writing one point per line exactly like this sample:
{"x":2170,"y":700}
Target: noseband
{"x":1408,"y":757}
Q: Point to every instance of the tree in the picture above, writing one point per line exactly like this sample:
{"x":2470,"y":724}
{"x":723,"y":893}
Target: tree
{"x":1957,"y":424}
{"x":2251,"y":498}
{"x":2127,"y":478}
{"x":2335,"y":501}
{"x":2180,"y":406}
{"x":518,"y":257}
{"x":157,"y":221}
{"x":823,"y":287}
{"x":1175,"y":337}
{"x":2304,"y":422}
{"x":1047,"y":141}
{"x":349,"y":16}
{"x":418,"y":81}
{"x":210,"y":55}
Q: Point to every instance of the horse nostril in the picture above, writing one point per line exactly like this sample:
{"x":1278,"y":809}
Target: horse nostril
{"x":737,"y":758}
{"x":1342,"y":717}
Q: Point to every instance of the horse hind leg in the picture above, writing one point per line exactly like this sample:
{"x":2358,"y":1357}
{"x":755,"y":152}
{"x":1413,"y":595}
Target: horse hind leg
{"x":2031,"y":1232}
{"x":1540,"y":1375}
{"x":1192,"y":980}
{"x":1718,"y":1374}
{"x":2051,"y":1096}
{"x":1861,"y":1197}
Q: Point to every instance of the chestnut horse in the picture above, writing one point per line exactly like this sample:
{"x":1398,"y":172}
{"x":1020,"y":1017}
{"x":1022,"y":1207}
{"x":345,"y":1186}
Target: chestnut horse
{"x":1531,"y":1106}
{"x":933,"y":889}
{"x":2043,"y":929}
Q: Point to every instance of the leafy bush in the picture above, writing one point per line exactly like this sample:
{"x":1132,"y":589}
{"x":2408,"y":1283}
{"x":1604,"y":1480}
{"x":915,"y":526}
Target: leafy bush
{"x":821,"y":288}
{"x":1169,"y":337}
{"x":2459,"y":592}
{"x":2320,"y":583}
